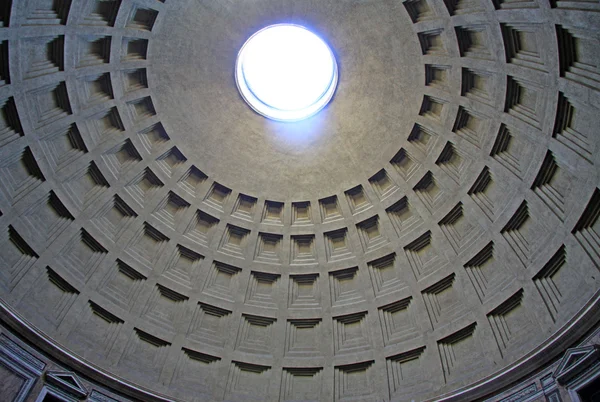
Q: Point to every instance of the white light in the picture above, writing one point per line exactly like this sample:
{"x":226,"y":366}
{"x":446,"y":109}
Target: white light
{"x":285,"y":72}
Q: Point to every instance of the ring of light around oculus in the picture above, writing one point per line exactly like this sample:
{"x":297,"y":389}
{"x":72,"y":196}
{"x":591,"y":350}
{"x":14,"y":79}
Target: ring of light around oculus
{"x":285,"y":72}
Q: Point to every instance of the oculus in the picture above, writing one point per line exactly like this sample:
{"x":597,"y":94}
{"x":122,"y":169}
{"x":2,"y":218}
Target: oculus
{"x":286,"y":73}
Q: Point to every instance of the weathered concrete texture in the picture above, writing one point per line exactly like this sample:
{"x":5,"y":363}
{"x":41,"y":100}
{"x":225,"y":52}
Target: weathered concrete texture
{"x":379,"y":93}
{"x":436,"y":223}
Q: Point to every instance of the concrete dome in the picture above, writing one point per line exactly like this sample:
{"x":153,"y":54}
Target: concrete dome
{"x":432,"y":233}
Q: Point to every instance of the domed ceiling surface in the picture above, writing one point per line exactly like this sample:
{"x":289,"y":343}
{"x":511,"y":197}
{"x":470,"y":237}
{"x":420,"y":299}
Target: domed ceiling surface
{"x":378,"y":95}
{"x":432,"y":233}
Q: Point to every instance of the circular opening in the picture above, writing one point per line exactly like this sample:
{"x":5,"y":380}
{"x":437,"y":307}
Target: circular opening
{"x":285,"y":72}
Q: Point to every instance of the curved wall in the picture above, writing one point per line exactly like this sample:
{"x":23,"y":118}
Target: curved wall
{"x":457,"y":253}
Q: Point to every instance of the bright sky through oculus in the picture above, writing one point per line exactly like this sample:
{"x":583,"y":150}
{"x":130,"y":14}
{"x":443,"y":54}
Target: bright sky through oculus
{"x":285,"y":72}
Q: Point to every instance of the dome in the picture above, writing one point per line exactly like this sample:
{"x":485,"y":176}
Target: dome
{"x":425,"y":231}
